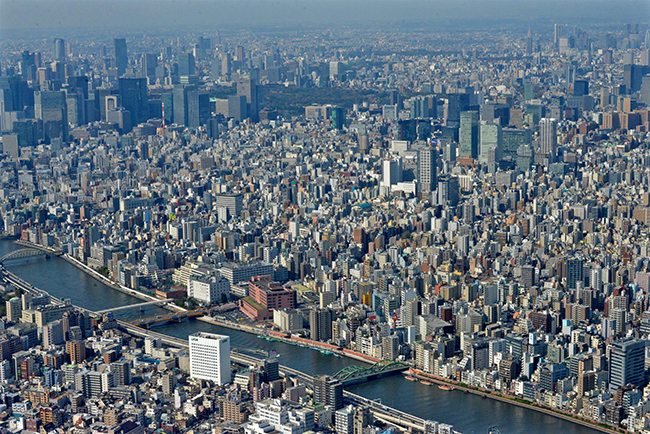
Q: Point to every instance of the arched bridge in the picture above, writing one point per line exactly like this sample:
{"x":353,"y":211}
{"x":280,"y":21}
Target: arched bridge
{"x":22,"y":255}
{"x":354,"y":373}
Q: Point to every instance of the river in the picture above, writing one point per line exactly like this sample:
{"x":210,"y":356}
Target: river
{"x":466,"y":412}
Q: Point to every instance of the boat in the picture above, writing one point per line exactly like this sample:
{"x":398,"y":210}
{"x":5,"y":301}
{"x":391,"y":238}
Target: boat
{"x":426,"y":383}
{"x":445,"y":387}
{"x":410,"y":378}
{"x":326,"y":352}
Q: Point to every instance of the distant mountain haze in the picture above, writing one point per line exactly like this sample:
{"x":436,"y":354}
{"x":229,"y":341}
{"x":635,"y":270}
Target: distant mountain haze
{"x":139,"y":15}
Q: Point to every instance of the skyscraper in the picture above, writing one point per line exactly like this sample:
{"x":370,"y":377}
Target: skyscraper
{"x":58,"y":50}
{"x":491,"y":142}
{"x":392,"y":172}
{"x":133,"y":93}
{"x":548,"y":137}
{"x":574,"y":272}
{"x":320,"y":324}
{"x":427,"y":170}
{"x":210,"y":357}
{"x":186,"y":65}
{"x":627,"y":363}
{"x":469,"y":134}
{"x":179,"y":103}
{"x":50,"y":107}
{"x":121,"y":55}
{"x":248,"y":88}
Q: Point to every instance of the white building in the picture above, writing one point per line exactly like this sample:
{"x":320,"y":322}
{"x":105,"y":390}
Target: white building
{"x":208,"y":289}
{"x":275,"y":415}
{"x":210,"y":357}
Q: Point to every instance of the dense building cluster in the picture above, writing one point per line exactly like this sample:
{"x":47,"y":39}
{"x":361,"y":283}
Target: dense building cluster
{"x":475,"y":206}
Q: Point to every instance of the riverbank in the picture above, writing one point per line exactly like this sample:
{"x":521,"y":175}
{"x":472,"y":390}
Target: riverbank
{"x":292,"y":340}
{"x":497,"y":396}
{"x":317,"y":346}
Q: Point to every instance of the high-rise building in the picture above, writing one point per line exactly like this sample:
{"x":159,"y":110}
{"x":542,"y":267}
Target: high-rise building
{"x":248,"y":88}
{"x":548,"y":137}
{"x":133,"y":93}
{"x":14,"y":309}
{"x":627,"y":363}
{"x":149,"y":63}
{"x":328,"y":391}
{"x":121,"y":55}
{"x":320,"y":324}
{"x":456,"y":103}
{"x":50,"y":107}
{"x":513,"y":138}
{"x":392,"y":172}
{"x":337,"y":117}
{"x":427,"y":170}
{"x":58,"y":50}
{"x":469,"y":134}
{"x":180,"y":103}
{"x":210,"y":357}
{"x":198,"y":108}
{"x":574,"y":272}
{"x":491,"y":143}
{"x":186,"y":65}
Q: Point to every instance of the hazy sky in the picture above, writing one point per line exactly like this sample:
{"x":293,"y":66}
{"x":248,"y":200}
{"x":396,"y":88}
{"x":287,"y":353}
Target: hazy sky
{"x":168,"y":14}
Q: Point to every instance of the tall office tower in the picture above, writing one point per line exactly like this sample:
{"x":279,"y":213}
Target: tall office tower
{"x":491,"y":139}
{"x":248,"y":88}
{"x":512,"y":139}
{"x":627,"y":363}
{"x":240,"y":54}
{"x":644,"y":93}
{"x":448,"y":190}
{"x":58,"y":50}
{"x":392,"y":172}
{"x":456,"y":103}
{"x":198,"y":108}
{"x":469,"y":134}
{"x":121,"y":55}
{"x":186,"y":65}
{"x":529,"y":42}
{"x":50,"y":107}
{"x":179,"y":103}
{"x":133,"y":94}
{"x":557,"y":33}
{"x":76,"y":108}
{"x":79,"y":84}
{"x":237,"y":107}
{"x":320,"y":324}
{"x":574,"y":272}
{"x":149,"y":63}
{"x":210,"y":357}
{"x":14,"y":96}
{"x":633,"y":77}
{"x":427,"y":170}
{"x":226,"y":65}
{"x":548,"y":137}
{"x":328,"y":391}
{"x":337,"y":117}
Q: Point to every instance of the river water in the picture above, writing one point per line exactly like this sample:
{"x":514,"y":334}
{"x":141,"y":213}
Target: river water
{"x":467,"y":413}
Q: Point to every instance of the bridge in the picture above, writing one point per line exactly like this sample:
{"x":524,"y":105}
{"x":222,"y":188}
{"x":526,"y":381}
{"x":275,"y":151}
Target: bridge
{"x":151,"y":321}
{"x":133,"y":306}
{"x":407,"y":422}
{"x":356,"y":374}
{"x":381,"y":412}
{"x":19,"y":255}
